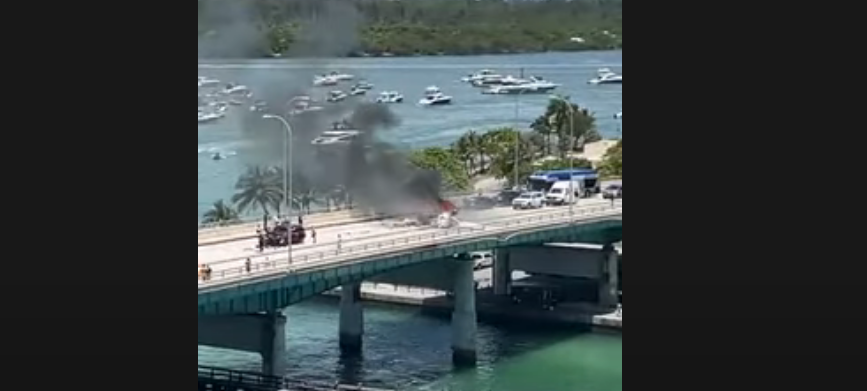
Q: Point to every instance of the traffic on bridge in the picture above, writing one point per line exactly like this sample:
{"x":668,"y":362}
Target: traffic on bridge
{"x":234,"y":260}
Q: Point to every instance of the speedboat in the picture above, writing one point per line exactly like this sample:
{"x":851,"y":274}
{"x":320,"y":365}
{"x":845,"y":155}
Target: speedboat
{"x":355,"y":91}
{"x":390,"y":97}
{"x":341,"y":76}
{"x":303,"y":105}
{"x":205,"y":82}
{"x":236,"y":90}
{"x":606,"y":76}
{"x":205,"y":118}
{"x":325,"y":81}
{"x":336,"y":96}
{"x":341,"y":133}
{"x":485,"y":73}
{"x":618,"y":116}
{"x":433,"y":96}
{"x":363,"y":85}
{"x":536,"y":85}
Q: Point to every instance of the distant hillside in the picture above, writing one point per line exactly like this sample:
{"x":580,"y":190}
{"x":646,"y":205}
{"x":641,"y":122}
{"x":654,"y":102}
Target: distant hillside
{"x":233,"y":28}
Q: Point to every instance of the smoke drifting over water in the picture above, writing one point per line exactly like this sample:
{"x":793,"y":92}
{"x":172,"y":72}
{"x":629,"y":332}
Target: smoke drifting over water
{"x":376,"y":174}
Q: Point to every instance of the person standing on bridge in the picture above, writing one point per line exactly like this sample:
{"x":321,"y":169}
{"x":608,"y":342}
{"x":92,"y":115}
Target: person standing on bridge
{"x":339,"y":242}
{"x":313,"y":234}
{"x":248,"y":266}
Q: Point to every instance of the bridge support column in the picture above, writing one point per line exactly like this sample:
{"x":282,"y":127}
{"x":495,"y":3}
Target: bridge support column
{"x":502,"y":272}
{"x":610,"y":280}
{"x":351,"y":319}
{"x":264,"y":334}
{"x":274,"y":361}
{"x":464,"y":318}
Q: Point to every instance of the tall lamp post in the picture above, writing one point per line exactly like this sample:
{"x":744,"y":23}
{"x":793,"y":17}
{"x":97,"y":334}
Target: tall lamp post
{"x":288,"y":177}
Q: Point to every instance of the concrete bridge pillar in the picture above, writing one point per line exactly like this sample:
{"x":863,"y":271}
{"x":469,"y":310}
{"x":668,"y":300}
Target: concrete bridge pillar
{"x":464,"y":318}
{"x":502,"y":272}
{"x":351,"y":319}
{"x":610,"y":281}
{"x":274,"y":361}
{"x":264,"y":334}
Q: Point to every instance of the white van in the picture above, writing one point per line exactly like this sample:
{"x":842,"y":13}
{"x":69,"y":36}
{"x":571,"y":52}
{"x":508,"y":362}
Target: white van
{"x":564,"y":192}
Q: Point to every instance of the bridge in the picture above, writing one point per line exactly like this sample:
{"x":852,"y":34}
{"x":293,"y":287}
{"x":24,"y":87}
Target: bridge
{"x":241,"y":309}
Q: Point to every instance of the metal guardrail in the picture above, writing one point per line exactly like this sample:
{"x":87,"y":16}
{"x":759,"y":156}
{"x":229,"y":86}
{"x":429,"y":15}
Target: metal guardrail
{"x":267,"y":267}
{"x":221,"y":379}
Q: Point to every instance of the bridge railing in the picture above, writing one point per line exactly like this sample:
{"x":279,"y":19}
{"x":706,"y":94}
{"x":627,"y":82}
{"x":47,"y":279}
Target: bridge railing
{"x":263,"y":267}
{"x":249,"y":381}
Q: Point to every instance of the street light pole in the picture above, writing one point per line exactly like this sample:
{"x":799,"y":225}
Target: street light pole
{"x":288,"y":176}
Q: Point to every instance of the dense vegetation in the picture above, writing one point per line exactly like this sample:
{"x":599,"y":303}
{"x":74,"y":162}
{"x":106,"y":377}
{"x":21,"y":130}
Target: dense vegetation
{"x":407,"y":27}
{"x":550,"y":144}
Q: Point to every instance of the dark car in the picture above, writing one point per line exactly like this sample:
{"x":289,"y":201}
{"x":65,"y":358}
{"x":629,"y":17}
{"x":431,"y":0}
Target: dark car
{"x":613,"y":192}
{"x":506,"y":197}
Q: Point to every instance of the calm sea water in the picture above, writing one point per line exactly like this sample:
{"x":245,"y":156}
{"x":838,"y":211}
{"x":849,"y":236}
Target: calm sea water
{"x":420,"y":127}
{"x":409,"y":351}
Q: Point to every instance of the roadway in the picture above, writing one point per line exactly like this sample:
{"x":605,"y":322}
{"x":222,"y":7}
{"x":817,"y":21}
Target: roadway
{"x":229,"y":257}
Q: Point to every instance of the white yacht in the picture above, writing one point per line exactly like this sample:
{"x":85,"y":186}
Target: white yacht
{"x":390,"y":97}
{"x":433,"y":96}
{"x":341,"y":76}
{"x":237,"y":91}
{"x":206,"y":118}
{"x":340,"y":134}
{"x":336,"y":96}
{"x":205,"y":82}
{"x":536,"y":85}
{"x":485,"y":73}
{"x":606,"y":76}
{"x":325,"y":81}
{"x":303,"y":105}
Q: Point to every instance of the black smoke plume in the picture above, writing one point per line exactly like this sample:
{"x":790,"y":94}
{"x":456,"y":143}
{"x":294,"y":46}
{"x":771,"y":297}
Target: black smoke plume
{"x":376,"y":174}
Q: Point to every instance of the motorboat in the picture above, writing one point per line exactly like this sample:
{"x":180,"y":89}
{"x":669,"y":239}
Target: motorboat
{"x":485,"y":73}
{"x":341,"y":133}
{"x":336,"y":96}
{"x":355,"y":91}
{"x":619,"y":116}
{"x":341,"y":76}
{"x":238,"y":91}
{"x":205,"y":82}
{"x":433,"y":96}
{"x":390,"y":97}
{"x":325,"y":81}
{"x":205,"y":118}
{"x":536,"y":85}
{"x":493,"y":80}
{"x":606,"y":76}
{"x":363,"y":85}
{"x":303,"y":105}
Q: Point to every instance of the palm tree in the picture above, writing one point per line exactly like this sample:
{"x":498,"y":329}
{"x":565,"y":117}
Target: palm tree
{"x":258,"y":189}
{"x":464,"y":149}
{"x":220,"y":214}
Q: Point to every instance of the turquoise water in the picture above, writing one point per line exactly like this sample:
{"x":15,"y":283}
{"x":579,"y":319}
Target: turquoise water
{"x":420,"y":126}
{"x":408,"y":351}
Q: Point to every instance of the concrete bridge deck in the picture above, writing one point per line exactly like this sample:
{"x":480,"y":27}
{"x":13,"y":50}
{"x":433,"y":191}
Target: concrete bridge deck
{"x":227,"y":259}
